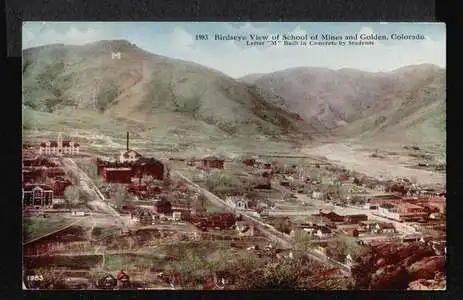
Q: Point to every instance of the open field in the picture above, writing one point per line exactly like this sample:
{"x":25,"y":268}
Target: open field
{"x":362,"y":162}
{"x":36,"y":226}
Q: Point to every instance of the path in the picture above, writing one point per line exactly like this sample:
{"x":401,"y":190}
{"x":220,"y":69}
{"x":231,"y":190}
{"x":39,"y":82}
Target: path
{"x":89,"y":186}
{"x":274,"y":235}
{"x":56,"y":231}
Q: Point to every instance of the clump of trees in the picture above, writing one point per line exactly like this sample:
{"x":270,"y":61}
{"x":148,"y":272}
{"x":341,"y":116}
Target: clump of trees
{"x":75,"y":196}
{"x":222,"y":185}
{"x":246,"y":270}
{"x":342,"y":246}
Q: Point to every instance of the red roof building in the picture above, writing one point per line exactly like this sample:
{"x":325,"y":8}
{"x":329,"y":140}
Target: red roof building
{"x":60,"y":186}
{"x":213,"y":162}
{"x":117,"y":175}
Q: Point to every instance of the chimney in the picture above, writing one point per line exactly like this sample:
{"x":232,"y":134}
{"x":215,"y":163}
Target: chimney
{"x":127,"y":141}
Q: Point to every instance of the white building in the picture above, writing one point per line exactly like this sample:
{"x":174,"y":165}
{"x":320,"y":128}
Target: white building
{"x":59,"y":147}
{"x":129,"y":156}
{"x":238,"y":202}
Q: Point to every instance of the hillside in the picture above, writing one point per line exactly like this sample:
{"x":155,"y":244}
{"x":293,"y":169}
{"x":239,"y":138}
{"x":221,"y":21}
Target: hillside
{"x":155,"y":94}
{"x":405,"y":105}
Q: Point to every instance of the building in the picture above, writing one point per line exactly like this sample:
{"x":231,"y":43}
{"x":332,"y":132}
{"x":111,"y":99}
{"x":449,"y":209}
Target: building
{"x":177,"y":216}
{"x":145,"y":166}
{"x":139,"y":165}
{"x":38,"y":195}
{"x":59,"y":147}
{"x":213,"y":162}
{"x":250,"y":162}
{"x":355,"y":219}
{"x":323,"y":232}
{"x":60,"y":185}
{"x":142,"y":216}
{"x":387,"y":228}
{"x":238,"y":202}
{"x":117,"y":175}
{"x":332,"y":216}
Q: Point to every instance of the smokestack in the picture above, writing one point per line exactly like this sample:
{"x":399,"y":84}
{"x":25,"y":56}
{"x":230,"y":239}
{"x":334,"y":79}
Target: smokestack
{"x":127,"y":141}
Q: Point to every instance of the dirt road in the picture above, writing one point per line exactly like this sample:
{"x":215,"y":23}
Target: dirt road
{"x":269,"y":231}
{"x":350,"y":157}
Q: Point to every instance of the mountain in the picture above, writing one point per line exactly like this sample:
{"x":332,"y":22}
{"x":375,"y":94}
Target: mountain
{"x":407,"y":104}
{"x":147,"y":91}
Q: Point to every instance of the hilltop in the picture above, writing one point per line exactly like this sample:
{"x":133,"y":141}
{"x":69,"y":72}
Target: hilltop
{"x":160,"y":96}
{"x":406,"y":105}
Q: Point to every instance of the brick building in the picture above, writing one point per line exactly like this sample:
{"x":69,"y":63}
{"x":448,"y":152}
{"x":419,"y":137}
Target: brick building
{"x":117,"y":175}
{"x":59,"y":186}
{"x":213,"y":162}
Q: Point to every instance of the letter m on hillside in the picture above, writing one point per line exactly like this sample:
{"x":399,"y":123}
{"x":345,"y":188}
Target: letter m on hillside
{"x":116,"y":55}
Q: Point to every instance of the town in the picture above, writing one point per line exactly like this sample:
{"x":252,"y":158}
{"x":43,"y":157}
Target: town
{"x":132,"y":220}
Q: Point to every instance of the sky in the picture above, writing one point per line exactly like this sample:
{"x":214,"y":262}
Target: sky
{"x":236,"y":59}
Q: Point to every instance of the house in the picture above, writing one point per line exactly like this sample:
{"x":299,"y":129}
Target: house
{"x":323,"y":232}
{"x":410,"y":208}
{"x":238,"y":202}
{"x":212,"y":162}
{"x":250,"y":162}
{"x":145,"y":166}
{"x":38,"y":195}
{"x":332,"y":216}
{"x":316,"y":195}
{"x":387,"y":228}
{"x":59,"y":147}
{"x":142,"y":216}
{"x":177,"y":216}
{"x":117,"y":175}
{"x":355,"y":219}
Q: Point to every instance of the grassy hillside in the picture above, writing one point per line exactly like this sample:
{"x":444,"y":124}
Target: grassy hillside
{"x":406,"y":105}
{"x":68,"y":87}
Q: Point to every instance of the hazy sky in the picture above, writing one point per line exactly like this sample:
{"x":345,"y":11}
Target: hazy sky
{"x":177,"y":40}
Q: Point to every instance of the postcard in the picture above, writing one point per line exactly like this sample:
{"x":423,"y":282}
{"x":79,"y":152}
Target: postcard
{"x":234,"y":156}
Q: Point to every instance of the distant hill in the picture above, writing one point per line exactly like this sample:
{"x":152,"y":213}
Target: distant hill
{"x":407,"y":105}
{"x":148,"y":90}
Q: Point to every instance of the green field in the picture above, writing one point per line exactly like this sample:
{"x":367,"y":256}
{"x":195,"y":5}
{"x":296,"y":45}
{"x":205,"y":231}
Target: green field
{"x":34,"y":227}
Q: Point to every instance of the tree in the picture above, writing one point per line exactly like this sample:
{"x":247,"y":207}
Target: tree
{"x":343,"y":245}
{"x":72,"y":195}
{"x":121,"y":195}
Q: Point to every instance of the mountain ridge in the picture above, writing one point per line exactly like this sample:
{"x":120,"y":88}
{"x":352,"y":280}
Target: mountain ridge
{"x":144,"y":87}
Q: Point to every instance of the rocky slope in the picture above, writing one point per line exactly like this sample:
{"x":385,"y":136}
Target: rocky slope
{"x":394,"y":266}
